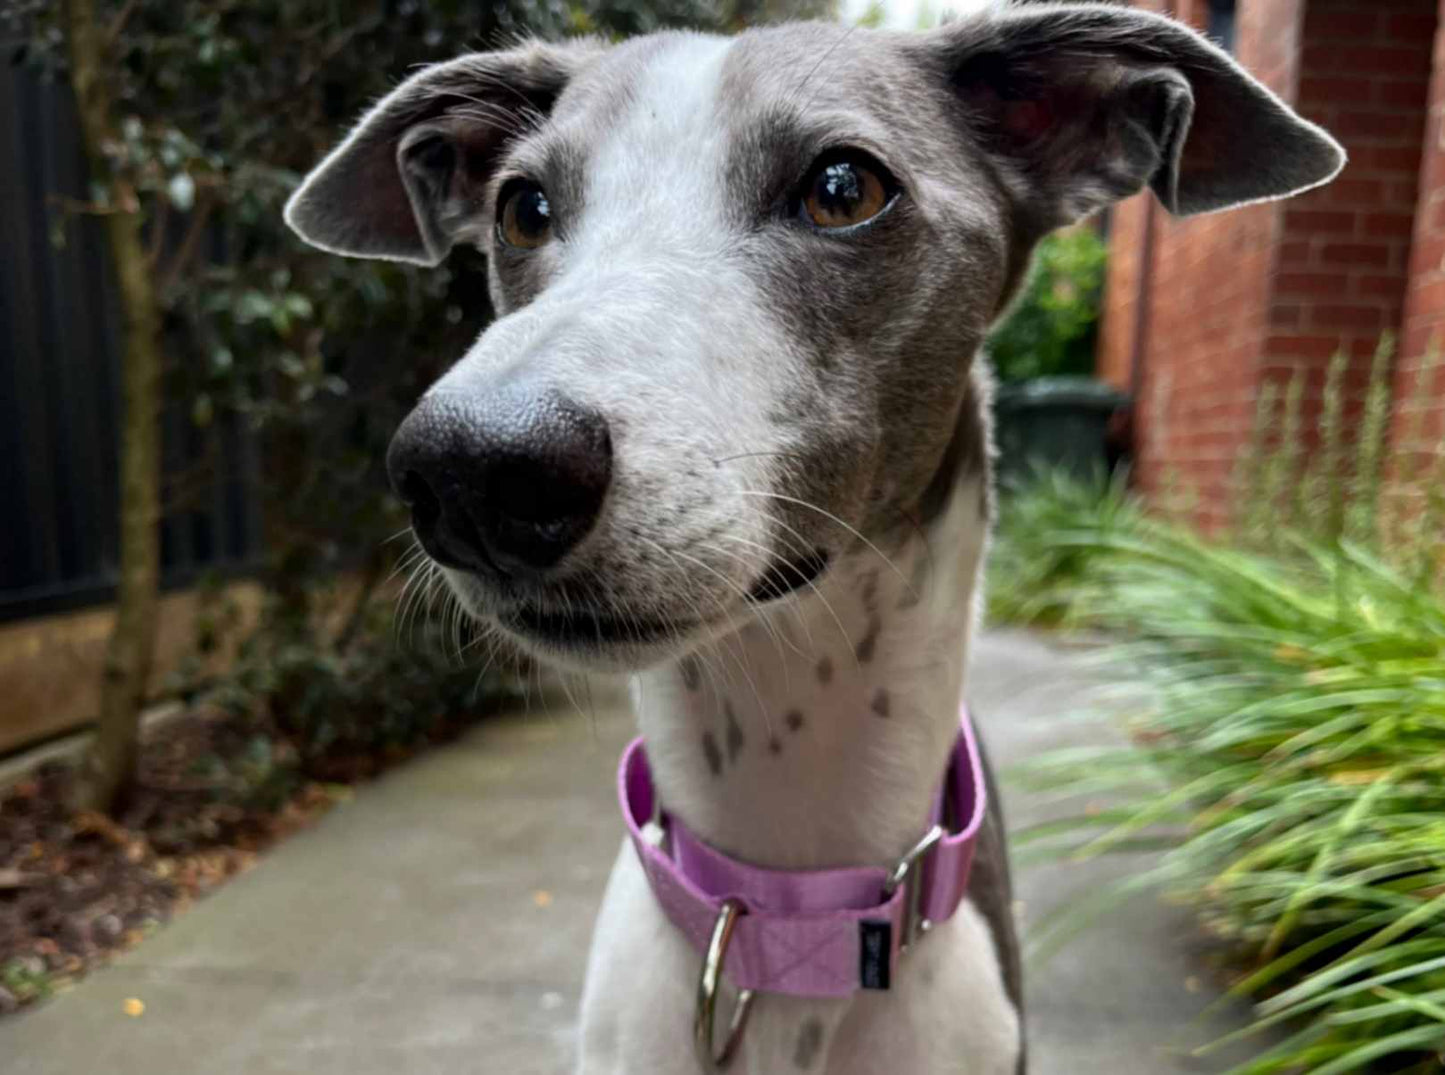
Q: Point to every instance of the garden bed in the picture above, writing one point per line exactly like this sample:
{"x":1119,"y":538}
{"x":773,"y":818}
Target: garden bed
{"x":215,"y":789}
{"x":1286,"y":779}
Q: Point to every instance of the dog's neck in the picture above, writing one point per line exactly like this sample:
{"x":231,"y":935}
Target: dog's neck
{"x":818,"y":737}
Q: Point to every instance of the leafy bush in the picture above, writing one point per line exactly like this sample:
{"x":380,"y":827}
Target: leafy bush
{"x":1052,"y":326}
{"x":22,"y":981}
{"x":1047,"y":538}
{"x":1299,"y":737}
{"x":1291,"y":765}
{"x":348,"y":711}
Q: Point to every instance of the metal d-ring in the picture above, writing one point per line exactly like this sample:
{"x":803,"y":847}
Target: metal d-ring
{"x":712,"y":964}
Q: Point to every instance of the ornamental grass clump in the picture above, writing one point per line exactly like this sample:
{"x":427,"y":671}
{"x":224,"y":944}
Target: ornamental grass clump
{"x":1046,"y":541}
{"x":1289,"y":765}
{"x":1298,"y":737}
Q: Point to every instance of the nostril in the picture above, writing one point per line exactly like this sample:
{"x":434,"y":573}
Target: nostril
{"x":511,"y":481}
{"x":545,"y":488}
{"x":416,"y":494}
{"x":533,"y":492}
{"x":517,"y":491}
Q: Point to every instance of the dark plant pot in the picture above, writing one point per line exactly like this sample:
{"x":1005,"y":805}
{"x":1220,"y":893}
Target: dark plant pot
{"x":1056,"y":423}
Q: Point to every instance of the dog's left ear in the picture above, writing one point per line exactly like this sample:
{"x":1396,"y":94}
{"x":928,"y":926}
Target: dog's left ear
{"x":1082,"y":105}
{"x":407,"y":183}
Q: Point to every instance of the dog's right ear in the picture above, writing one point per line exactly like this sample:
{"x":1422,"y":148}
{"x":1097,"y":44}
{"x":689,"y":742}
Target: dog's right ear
{"x":1081,"y":105}
{"x":408,"y":182}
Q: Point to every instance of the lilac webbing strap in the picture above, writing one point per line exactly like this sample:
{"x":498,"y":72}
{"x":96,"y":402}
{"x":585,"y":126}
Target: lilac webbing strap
{"x":802,"y":932}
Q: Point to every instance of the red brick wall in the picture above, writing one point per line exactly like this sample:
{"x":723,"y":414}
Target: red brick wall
{"x":1345,"y":250}
{"x":1117,"y":329}
{"x":1424,"y":321}
{"x":1262,"y":293}
{"x":1209,"y":289}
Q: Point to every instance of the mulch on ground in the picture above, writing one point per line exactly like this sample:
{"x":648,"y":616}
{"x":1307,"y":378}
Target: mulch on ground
{"x":214,"y":791}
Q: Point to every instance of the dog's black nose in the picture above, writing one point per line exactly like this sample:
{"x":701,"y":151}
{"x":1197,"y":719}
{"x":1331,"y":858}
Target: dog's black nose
{"x":506,"y":482}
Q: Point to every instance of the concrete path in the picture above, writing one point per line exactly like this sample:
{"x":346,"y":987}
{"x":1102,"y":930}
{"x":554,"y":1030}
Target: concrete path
{"x":439,"y":923}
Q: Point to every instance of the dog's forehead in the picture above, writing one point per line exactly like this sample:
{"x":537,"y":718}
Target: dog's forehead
{"x":684,"y":101}
{"x":753,"y":71}
{"x":804,"y":66}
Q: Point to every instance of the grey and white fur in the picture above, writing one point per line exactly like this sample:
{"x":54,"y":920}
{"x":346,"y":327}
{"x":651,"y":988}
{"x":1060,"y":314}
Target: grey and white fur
{"x":745,"y":459}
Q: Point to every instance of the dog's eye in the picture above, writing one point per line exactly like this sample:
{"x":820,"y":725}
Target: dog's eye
{"x":525,"y":217}
{"x":844,"y":190}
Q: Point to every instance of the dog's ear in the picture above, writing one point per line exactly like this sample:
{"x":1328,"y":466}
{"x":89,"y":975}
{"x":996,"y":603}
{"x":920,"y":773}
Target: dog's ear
{"x":1082,"y":105}
{"x":408,"y":181}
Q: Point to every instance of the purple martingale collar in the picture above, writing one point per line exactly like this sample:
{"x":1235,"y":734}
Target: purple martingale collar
{"x":819,"y":933}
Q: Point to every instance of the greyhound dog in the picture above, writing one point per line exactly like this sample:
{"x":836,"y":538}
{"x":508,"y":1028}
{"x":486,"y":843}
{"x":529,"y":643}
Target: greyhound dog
{"x":729,"y":435}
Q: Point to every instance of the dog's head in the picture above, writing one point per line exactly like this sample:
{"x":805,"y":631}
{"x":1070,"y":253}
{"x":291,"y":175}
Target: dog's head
{"x":742,"y":282}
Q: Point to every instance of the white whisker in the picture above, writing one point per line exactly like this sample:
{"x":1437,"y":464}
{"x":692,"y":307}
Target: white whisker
{"x":829,"y":515}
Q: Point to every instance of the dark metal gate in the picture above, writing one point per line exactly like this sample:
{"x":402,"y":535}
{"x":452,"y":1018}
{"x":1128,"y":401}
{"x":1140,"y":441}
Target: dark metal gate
{"x":59,"y":388}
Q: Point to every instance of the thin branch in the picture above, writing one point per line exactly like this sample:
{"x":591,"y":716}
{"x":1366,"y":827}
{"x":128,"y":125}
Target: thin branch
{"x":117,"y":24}
{"x":158,"y":230}
{"x":194,"y":233}
{"x":371,"y":580}
{"x":81,"y":207}
{"x":331,"y":50}
{"x":109,"y":767}
{"x":187,"y":489}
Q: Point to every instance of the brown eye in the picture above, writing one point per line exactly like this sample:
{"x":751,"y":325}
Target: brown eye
{"x":525,"y":219}
{"x":842,"y":192}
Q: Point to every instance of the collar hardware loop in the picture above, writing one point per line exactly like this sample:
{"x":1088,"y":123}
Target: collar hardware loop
{"x":703,"y":1021}
{"x":908,"y":875}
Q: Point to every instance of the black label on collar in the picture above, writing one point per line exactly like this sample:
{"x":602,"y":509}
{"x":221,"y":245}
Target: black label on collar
{"x":875,"y":952}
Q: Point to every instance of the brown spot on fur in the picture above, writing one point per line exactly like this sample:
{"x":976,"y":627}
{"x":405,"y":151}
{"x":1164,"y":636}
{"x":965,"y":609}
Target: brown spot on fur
{"x":882,"y":704}
{"x":735,"y":739}
{"x":713,"y":753}
{"x":870,"y":592}
{"x":825,"y":670}
{"x":691,"y":672}
{"x":810,"y":1043}
{"x":794,"y":720}
{"x":775,"y":745}
{"x":869,"y":642}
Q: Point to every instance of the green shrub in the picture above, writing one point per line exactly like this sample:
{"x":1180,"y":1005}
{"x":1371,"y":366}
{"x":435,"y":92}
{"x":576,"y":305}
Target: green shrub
{"x":22,"y":981}
{"x":1334,"y":481}
{"x":1291,"y":762}
{"x":369,"y":677}
{"x":1046,"y":542}
{"x":1051,"y":328}
{"x":1299,"y":740}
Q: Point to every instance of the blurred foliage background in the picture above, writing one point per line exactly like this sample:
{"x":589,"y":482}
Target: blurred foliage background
{"x":1053,"y":326}
{"x":1284,"y":765}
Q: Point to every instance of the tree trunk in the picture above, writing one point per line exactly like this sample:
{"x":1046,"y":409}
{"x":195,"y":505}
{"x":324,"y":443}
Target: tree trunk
{"x":109,"y":766}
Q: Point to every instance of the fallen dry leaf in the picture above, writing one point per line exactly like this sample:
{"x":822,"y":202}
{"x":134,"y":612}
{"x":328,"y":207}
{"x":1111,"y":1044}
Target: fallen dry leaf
{"x":13,"y":878}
